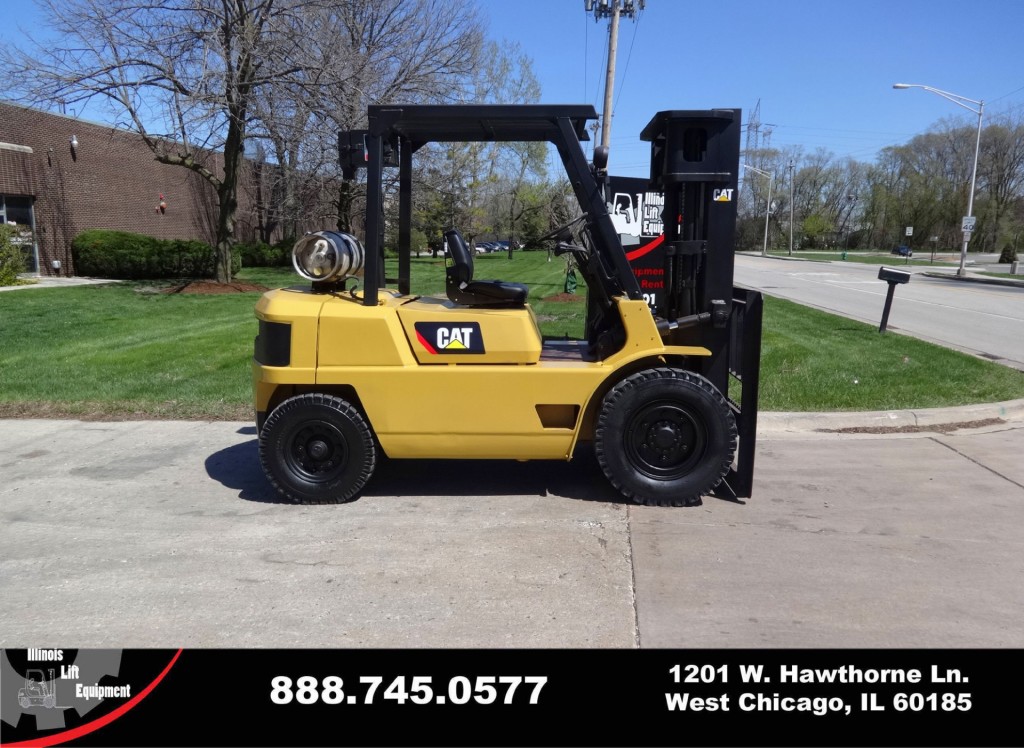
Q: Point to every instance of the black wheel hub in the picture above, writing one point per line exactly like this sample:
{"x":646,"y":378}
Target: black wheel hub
{"x":317,"y":451}
{"x":665,"y":440}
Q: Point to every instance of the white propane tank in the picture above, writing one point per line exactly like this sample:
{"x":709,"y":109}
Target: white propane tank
{"x":327,"y":256}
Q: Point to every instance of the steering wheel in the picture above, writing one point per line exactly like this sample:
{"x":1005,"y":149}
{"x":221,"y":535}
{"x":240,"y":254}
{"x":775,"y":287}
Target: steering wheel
{"x":554,"y":233}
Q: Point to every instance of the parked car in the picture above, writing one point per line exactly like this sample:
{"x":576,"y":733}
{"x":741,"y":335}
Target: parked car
{"x":903,"y":251}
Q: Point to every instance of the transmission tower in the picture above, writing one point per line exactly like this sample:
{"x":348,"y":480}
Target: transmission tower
{"x":752,"y":146}
{"x":753,"y":131}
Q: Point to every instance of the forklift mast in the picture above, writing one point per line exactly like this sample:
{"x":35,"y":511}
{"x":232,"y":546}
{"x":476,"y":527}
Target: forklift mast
{"x":695,"y":162}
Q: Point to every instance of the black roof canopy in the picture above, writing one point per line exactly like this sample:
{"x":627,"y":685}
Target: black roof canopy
{"x":480,"y":122}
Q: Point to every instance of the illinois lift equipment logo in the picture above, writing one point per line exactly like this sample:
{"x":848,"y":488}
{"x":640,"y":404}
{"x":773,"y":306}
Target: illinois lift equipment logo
{"x":450,"y":337}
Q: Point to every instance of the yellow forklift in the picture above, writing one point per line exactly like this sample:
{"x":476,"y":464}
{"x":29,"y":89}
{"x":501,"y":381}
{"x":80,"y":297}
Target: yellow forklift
{"x":355,"y":365}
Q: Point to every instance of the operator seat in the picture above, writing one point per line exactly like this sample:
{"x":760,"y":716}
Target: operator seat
{"x":461,"y":287}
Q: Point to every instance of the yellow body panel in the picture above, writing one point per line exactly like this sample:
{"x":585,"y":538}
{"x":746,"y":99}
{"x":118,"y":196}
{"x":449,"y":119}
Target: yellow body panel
{"x":504,"y":401}
{"x":354,"y":335}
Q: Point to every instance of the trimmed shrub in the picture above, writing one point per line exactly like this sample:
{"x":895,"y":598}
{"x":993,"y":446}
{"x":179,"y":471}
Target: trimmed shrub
{"x":1009,"y":254}
{"x":261,"y":255}
{"x":12,"y":260}
{"x":125,"y":256}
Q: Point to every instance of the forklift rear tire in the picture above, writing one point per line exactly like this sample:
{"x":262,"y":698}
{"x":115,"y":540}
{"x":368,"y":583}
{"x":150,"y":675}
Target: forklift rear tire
{"x":665,"y":437}
{"x":317,"y":449}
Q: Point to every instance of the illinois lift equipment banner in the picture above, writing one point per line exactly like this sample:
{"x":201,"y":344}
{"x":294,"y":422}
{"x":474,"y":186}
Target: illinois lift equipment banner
{"x":111,"y":697}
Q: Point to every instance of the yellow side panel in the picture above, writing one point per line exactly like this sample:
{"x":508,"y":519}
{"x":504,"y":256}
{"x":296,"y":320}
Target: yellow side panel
{"x":354,"y":335}
{"x":482,"y":446}
{"x":471,"y":411}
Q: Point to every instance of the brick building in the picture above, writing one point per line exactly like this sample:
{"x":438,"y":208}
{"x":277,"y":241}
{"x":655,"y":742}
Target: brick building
{"x":60,"y":176}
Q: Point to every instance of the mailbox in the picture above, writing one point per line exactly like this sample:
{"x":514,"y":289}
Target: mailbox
{"x":893,"y":276}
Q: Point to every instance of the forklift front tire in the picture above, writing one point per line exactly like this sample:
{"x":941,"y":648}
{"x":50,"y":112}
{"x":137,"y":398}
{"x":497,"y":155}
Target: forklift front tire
{"x":317,"y":449}
{"x":665,"y":437}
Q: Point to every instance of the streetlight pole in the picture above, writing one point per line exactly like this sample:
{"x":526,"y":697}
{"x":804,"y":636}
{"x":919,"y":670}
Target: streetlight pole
{"x":980,"y":111}
{"x":767,"y":207}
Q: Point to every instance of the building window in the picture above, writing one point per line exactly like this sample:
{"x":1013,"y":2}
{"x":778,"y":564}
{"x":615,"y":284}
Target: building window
{"x":17,"y":209}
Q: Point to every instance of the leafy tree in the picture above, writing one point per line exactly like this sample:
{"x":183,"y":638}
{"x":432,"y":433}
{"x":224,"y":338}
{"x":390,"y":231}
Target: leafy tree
{"x":815,"y":228}
{"x":12,"y":260}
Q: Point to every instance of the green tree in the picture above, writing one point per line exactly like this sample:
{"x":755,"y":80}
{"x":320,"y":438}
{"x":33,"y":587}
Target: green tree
{"x":12,"y":259}
{"x":815,"y":228}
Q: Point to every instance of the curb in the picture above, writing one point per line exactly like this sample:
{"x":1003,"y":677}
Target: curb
{"x":1009,"y":410}
{"x":977,"y":279}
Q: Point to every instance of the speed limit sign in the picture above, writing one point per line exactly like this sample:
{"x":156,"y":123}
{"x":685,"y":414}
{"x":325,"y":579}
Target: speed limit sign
{"x":967,"y":224}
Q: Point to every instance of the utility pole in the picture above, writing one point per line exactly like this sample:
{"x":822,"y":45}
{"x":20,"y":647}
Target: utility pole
{"x":611,"y":9}
{"x":792,"y":178}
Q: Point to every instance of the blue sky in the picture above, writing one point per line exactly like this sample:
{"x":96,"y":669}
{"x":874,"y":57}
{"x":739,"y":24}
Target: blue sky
{"x":823,"y":71}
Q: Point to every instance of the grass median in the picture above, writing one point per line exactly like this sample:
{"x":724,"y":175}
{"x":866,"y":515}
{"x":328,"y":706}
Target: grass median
{"x":867,"y":258}
{"x":129,"y":351}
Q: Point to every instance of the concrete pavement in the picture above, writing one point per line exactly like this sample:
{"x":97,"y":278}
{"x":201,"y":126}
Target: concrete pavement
{"x":51,"y":281}
{"x":158,"y":534}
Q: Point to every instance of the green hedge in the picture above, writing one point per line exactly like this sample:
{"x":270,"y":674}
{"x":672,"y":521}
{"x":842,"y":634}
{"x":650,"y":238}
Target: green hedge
{"x":260,"y":255}
{"x":124,"y":256}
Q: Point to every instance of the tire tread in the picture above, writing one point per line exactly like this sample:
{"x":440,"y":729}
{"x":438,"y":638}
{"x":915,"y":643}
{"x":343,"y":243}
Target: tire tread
{"x":343,"y":408}
{"x":632,"y":383}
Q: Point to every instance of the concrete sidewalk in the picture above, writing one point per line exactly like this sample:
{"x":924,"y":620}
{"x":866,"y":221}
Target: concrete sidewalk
{"x":159,"y":534}
{"x":166,"y":534}
{"x":51,"y":281}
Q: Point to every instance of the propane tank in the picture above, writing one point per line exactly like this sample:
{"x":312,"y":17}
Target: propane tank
{"x":328,"y":256}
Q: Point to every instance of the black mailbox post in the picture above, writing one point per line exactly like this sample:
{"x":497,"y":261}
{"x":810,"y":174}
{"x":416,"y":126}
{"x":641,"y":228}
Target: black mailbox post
{"x":892,"y":277}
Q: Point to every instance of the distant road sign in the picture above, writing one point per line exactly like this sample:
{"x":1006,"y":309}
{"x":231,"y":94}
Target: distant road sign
{"x":910,"y":230}
{"x":967,"y":224}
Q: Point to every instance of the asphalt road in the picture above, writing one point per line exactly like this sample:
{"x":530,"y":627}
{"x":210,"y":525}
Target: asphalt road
{"x":985,"y":320}
{"x":165,"y":534}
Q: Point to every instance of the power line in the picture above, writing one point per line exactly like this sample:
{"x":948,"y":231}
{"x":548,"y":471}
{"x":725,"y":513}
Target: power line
{"x":997,"y":98}
{"x":629,"y":56}
{"x":613,"y":9}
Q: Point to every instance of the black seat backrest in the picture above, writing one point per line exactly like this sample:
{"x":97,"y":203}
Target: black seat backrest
{"x":463,"y":290}
{"x":461,"y":269}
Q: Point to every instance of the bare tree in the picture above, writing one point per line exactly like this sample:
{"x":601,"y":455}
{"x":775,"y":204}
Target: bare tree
{"x":388,"y":51}
{"x":1001,"y":170}
{"x":183,"y":74}
{"x":484,"y":185}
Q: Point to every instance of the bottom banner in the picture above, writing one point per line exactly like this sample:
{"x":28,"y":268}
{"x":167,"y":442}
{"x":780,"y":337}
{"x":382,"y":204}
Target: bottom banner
{"x":509,"y":697}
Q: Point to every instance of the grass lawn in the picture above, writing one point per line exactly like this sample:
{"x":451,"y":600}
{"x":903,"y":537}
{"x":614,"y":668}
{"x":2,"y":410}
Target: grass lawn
{"x":812,"y":360}
{"x":127,"y":351}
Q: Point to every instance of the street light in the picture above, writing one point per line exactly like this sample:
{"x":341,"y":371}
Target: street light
{"x":768,"y":205}
{"x":959,"y":101}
